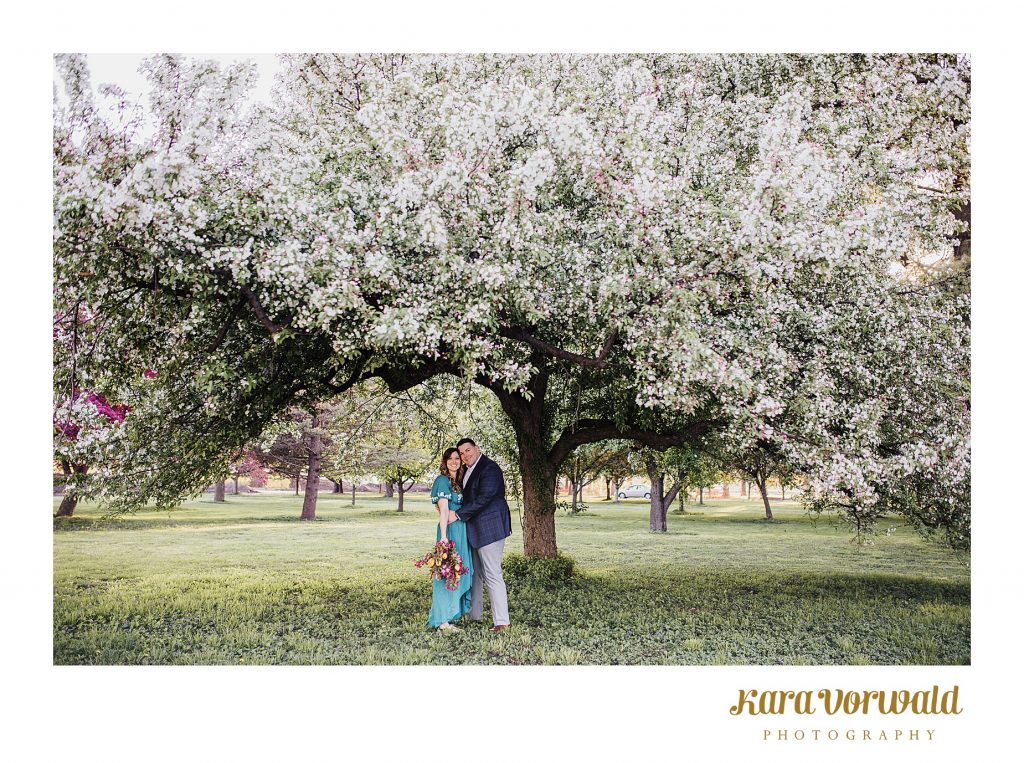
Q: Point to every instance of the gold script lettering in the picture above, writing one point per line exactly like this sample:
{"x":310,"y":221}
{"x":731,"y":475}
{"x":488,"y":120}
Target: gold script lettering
{"x":744,"y":703}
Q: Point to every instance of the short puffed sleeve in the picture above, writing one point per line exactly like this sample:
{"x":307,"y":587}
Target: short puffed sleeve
{"x":442,"y":488}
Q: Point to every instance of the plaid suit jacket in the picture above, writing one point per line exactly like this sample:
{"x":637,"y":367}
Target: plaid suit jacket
{"x":484,"y":508}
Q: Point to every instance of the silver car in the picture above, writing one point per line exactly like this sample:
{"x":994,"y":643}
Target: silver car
{"x":635,"y":491}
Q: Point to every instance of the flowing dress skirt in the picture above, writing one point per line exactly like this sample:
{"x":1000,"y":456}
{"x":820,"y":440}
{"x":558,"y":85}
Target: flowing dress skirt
{"x":447,"y":606}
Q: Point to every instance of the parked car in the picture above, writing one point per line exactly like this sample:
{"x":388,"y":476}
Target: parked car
{"x":636,"y":491}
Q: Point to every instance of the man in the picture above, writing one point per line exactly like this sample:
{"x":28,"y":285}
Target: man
{"x":488,"y":522}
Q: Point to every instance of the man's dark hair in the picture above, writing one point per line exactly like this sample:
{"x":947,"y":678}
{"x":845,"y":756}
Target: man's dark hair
{"x":465,"y":441}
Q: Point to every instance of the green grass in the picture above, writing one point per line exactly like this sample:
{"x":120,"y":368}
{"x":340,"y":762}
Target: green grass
{"x":248,"y":583}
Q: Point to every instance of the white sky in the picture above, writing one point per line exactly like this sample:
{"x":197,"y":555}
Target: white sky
{"x":123,"y":69}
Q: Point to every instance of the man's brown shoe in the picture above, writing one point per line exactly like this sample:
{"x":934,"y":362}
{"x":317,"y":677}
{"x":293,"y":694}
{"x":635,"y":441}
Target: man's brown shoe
{"x":498,"y":628}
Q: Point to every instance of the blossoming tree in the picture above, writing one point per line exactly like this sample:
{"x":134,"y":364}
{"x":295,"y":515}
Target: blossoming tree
{"x":696,"y":244}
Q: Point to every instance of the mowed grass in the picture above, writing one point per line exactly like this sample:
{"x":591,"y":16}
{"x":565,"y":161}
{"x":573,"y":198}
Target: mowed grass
{"x":246,"y":582}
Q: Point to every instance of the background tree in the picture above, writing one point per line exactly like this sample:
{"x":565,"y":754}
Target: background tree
{"x":586,"y":464}
{"x":285,"y":456}
{"x":353,"y":420}
{"x":254,"y":469}
{"x":91,"y":412}
{"x":616,"y":469}
{"x":399,"y":455}
{"x":313,"y":438}
{"x":298,"y":449}
{"x":681,"y":466}
{"x":761,"y":463}
{"x":703,"y":470}
{"x":87,"y":428}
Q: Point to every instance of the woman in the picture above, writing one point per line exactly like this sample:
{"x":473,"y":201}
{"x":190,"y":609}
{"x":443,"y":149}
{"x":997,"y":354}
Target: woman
{"x":446,"y":494}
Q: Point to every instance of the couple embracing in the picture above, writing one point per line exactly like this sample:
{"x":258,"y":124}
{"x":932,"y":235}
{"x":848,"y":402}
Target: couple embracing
{"x":470,"y":496}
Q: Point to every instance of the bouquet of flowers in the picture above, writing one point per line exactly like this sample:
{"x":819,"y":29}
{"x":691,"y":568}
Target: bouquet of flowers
{"x":444,"y":563}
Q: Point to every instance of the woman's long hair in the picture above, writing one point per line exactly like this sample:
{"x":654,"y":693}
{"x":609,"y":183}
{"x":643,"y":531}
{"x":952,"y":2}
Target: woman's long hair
{"x":457,"y":477}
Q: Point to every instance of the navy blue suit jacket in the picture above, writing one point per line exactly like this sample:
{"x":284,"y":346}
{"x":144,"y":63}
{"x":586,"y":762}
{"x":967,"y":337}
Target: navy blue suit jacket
{"x":484,"y":508}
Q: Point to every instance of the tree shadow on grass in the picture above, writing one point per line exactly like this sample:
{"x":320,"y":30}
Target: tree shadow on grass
{"x":674,"y":617}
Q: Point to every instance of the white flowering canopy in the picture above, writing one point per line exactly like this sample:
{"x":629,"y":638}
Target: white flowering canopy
{"x":736,"y":237}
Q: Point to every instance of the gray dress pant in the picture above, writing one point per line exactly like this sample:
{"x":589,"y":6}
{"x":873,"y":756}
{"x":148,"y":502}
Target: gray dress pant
{"x":487,"y":569}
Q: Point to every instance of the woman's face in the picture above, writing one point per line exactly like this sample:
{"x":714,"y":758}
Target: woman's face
{"x":453,"y":463}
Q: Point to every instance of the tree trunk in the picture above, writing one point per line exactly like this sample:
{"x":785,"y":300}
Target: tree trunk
{"x":69,"y":502}
{"x":236,"y":484}
{"x":389,"y":489}
{"x":750,"y":493}
{"x":314,"y":444}
{"x":702,"y":495}
{"x":744,"y":489}
{"x":67,"y":506}
{"x":401,"y":495}
{"x":539,"y":480}
{"x":725,"y":490}
{"x":762,"y":485}
{"x":608,"y":488}
{"x":572,"y":488}
{"x":659,"y":522}
{"x":218,"y":492}
{"x":783,"y":492}
{"x":354,"y":492}
{"x":538,"y":468}
{"x":297,"y":483}
{"x":615,"y":490}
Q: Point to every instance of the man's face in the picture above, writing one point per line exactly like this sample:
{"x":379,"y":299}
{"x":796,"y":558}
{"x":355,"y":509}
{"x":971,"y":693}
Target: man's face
{"x":470,"y":453}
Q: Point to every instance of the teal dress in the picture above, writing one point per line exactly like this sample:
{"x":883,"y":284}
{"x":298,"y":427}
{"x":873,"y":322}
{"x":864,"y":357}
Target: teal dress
{"x":447,"y":606}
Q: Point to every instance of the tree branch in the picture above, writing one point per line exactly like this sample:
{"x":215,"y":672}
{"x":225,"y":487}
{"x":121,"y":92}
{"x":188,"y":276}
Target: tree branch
{"x":223,"y":333}
{"x":930,"y":285}
{"x":521,"y":335}
{"x":595,"y":430}
{"x":354,"y":378}
{"x":257,"y":307}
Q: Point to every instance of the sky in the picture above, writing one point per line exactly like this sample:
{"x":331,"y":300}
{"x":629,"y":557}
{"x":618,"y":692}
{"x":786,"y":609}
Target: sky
{"x":123,"y":69}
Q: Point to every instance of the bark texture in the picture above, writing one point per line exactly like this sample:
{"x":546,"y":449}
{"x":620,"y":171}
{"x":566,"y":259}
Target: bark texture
{"x":314,"y":445}
{"x":762,"y":485}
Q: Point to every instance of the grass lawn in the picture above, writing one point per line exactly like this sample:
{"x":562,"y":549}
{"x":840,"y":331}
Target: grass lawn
{"x":247,"y":583}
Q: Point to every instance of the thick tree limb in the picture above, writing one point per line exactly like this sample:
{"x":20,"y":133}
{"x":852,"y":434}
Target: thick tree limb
{"x":670,"y":496}
{"x":158,"y":288}
{"x":399,"y":379}
{"x":521,"y":335}
{"x":257,"y":307}
{"x":354,"y":378}
{"x":223,"y":333}
{"x":962,"y":214}
{"x":595,"y":430}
